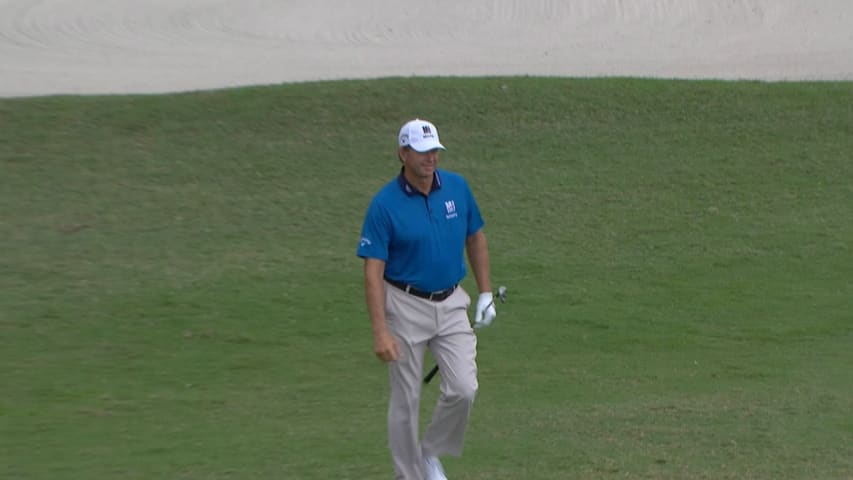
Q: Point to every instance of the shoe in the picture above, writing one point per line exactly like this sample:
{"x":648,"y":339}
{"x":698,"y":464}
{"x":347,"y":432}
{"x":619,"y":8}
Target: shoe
{"x":432,"y":469}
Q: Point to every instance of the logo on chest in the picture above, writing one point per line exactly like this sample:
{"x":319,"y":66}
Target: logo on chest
{"x":450,"y":207}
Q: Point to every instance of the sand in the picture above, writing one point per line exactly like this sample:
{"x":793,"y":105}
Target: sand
{"x":156,"y":46}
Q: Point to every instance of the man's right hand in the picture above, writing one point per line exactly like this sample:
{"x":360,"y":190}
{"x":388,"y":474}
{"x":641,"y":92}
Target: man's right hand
{"x":385,"y":347}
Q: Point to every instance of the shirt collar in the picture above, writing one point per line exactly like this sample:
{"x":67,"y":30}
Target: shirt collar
{"x":410,"y":190}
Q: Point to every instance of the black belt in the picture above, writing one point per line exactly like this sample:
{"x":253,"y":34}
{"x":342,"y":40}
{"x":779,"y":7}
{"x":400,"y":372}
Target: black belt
{"x":434,"y":296}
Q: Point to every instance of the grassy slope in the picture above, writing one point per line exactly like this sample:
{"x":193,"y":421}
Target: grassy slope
{"x":180,"y":298}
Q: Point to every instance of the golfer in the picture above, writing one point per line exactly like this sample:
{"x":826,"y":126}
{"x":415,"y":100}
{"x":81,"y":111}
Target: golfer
{"x":412,"y":241}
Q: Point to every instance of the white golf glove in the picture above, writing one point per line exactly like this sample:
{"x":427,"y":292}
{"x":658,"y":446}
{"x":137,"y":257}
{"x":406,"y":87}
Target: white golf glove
{"x":485,"y":312}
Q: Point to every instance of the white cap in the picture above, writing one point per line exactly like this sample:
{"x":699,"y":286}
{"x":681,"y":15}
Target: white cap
{"x":420,"y":135}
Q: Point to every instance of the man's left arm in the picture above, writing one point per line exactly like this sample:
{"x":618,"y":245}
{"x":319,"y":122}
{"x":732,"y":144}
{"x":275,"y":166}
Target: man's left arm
{"x":478,"y":256}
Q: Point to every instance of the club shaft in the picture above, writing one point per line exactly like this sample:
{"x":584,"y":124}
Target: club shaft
{"x":431,"y":374}
{"x":434,"y":371}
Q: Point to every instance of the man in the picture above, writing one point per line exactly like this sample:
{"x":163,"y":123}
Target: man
{"x":412,"y":241}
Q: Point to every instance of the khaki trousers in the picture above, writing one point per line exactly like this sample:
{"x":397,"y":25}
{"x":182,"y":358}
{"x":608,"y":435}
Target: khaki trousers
{"x":443,"y":327}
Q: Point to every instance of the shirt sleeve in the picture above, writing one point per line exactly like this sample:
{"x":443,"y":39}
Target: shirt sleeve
{"x":475,"y":221}
{"x":375,"y":233}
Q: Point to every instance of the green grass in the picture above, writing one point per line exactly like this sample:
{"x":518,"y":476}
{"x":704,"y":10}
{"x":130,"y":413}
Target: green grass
{"x":179,"y":295}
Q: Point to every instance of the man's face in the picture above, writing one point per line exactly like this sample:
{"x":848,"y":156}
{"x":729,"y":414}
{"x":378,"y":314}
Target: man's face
{"x":419,"y":164}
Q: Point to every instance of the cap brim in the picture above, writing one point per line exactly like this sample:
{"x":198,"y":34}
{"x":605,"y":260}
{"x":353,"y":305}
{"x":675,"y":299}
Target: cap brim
{"x":426,"y":146}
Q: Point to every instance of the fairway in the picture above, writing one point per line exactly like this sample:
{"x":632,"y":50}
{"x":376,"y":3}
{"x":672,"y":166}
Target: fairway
{"x":180,"y":296}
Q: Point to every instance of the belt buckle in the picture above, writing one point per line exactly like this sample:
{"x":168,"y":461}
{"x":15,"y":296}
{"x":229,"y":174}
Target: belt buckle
{"x":440,"y":293}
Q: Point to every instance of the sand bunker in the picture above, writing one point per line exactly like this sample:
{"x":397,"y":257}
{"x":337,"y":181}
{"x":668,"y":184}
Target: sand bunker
{"x":119,"y":46}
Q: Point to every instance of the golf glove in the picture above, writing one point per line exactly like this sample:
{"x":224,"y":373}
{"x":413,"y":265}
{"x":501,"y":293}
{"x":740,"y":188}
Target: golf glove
{"x":485,"y":310}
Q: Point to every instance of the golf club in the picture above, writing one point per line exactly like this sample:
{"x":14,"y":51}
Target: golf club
{"x":502,"y":297}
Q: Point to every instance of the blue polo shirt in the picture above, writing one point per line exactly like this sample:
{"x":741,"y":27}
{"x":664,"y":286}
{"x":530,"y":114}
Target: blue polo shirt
{"x":421,"y":238}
